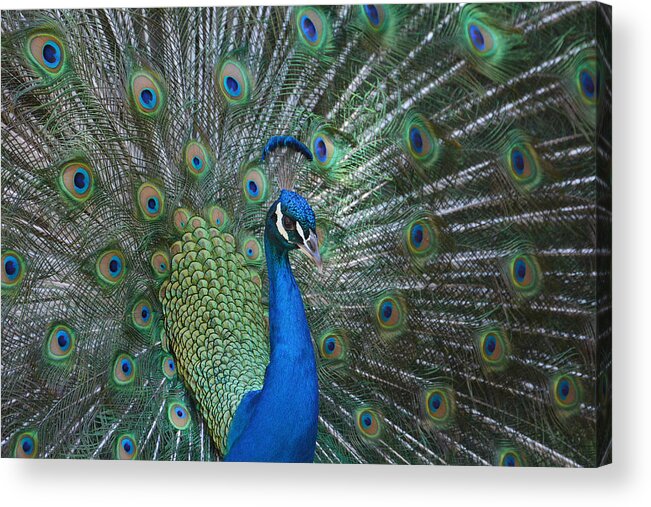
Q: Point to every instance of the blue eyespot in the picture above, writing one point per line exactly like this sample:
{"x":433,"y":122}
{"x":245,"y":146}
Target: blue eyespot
{"x":517,"y":158}
{"x":126,"y":367}
{"x":520,"y":270}
{"x":372,"y":14}
{"x":417,"y":235}
{"x":320,"y":149}
{"x":51,"y":54}
{"x":509,"y":460}
{"x":563,"y":389}
{"x":163,"y":266}
{"x":127,"y":446}
{"x":477,"y":37}
{"x":115,"y":265}
{"x":232,"y":86}
{"x":368,"y":422}
{"x":587,"y":84}
{"x":490,"y":344}
{"x":124,"y":370}
{"x":178,"y":414}
{"x":309,"y":30}
{"x":386,"y":311}
{"x":253,"y":188}
{"x":153,"y":204}
{"x":148,"y":98}
{"x":145,"y":313}
{"x":81,"y":180}
{"x":330,"y":344}
{"x":63,"y":339}
{"x":27,"y":445}
{"x":435,"y":402}
{"x":249,"y":252}
{"x":197,"y":163}
{"x":11,"y":267}
{"x":416,"y":140}
{"x":169,"y":367}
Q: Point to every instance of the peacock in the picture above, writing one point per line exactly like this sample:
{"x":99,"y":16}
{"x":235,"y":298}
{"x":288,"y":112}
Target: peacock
{"x":335,"y":234}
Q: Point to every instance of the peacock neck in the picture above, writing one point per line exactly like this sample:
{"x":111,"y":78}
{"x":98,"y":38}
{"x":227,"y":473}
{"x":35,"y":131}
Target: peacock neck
{"x":279,"y":422}
{"x":289,"y":334}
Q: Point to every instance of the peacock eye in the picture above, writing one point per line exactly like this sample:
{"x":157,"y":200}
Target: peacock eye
{"x":289,"y":224}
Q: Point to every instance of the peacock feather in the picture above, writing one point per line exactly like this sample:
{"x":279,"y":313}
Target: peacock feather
{"x":444,"y":168}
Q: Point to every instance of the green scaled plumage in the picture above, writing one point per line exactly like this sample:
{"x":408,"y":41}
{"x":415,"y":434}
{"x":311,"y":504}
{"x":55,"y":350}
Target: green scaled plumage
{"x":208,"y":278}
{"x":454,"y":185}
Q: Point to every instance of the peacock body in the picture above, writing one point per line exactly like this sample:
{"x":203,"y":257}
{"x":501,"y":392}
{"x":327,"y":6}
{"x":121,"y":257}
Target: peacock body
{"x":446,"y":167}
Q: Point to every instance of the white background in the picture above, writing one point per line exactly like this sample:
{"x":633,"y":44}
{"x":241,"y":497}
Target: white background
{"x":625,"y":483}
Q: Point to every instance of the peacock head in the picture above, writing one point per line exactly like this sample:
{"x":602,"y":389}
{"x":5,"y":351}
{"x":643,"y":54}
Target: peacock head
{"x":291,"y":224}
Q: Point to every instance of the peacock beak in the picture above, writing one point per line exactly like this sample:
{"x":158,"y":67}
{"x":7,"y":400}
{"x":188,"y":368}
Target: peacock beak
{"x":310,"y":247}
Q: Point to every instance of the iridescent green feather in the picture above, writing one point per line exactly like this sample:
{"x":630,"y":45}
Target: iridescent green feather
{"x":230,"y":321}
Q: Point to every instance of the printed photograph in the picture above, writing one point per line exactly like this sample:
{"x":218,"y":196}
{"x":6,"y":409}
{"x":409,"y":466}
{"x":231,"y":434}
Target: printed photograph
{"x":320,"y":234}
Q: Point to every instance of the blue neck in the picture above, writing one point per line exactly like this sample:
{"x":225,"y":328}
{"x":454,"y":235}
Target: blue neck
{"x":279,"y":423}
{"x":289,"y":334}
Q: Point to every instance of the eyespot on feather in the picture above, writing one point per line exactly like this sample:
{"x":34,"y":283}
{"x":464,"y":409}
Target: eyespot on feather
{"x":110,"y":267}
{"x":234,"y":81}
{"x":217,"y":217}
{"x":493,"y":45}
{"x":312,"y":27}
{"x":169,"y":367}
{"x":566,"y":393}
{"x":26,"y":445}
{"x":142,"y":314}
{"x":197,"y":159}
{"x":390,"y":313}
{"x":510,"y":457}
{"x":181,"y":218}
{"x":420,"y":140}
{"x":254,"y":185}
{"x":147,"y":93}
{"x":479,"y":37}
{"x":150,"y":201}
{"x":368,"y":422}
{"x":47,"y":54}
{"x":77,"y":182}
{"x":421,"y":237}
{"x":13,"y":269}
{"x":60,"y":343}
{"x":126,"y":447}
{"x":252,"y":251}
{"x":333,"y":345}
{"x":160,"y":263}
{"x":124,"y":370}
{"x":439,"y":405}
{"x":178,"y":415}
{"x":524,"y":274}
{"x":523,"y":163}
{"x":494,"y":348}
{"x":588,"y":79}
{"x":323,"y":149}
{"x":374,"y":16}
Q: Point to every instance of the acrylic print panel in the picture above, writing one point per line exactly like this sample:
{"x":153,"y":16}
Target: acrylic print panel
{"x":352,"y":234}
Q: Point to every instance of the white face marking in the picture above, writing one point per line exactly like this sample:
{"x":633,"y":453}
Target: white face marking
{"x":279,"y":223}
{"x":300,"y":231}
